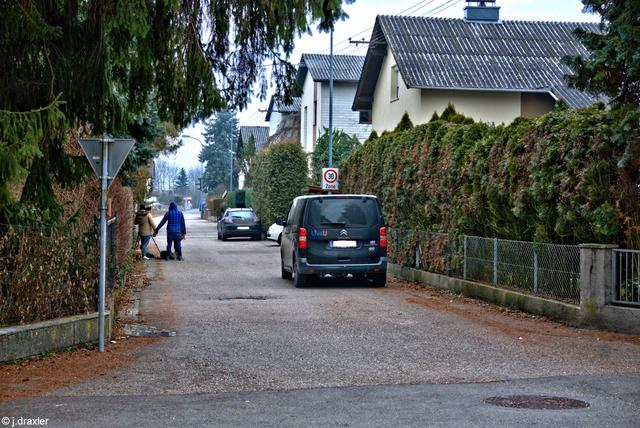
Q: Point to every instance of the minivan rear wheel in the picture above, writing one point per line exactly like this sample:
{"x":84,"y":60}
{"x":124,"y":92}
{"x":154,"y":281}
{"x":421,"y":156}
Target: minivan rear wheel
{"x":299,"y":280}
{"x":379,"y":279}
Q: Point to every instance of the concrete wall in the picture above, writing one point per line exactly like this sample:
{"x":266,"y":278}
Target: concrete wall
{"x":53,"y":335}
{"x":512,"y":299}
{"x":343,"y":117}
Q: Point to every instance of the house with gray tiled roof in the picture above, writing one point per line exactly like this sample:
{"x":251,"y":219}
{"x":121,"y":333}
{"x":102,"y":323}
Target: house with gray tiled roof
{"x":490,"y":70}
{"x":313,"y":78}
{"x":278,"y":110}
{"x":260,"y":136}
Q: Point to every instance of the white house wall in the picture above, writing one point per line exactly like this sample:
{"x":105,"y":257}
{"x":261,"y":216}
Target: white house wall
{"x":343,"y":117}
{"x":306,"y":125}
{"x":486,"y":106}
{"x":274,"y":120}
{"x":386,"y":113}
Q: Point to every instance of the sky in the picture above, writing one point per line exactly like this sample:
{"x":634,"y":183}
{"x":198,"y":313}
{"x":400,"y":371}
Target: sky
{"x":362,"y":14}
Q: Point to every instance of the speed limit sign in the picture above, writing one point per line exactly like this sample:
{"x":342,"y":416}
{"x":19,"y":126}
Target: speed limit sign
{"x":330,"y":178}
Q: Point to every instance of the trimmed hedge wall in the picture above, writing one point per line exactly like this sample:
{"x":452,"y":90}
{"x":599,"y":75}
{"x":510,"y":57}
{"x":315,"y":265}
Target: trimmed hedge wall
{"x":280,"y":173}
{"x":564,"y":177}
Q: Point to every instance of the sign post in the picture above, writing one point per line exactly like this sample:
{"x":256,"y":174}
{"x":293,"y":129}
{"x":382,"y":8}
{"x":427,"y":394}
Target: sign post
{"x":330,"y":178}
{"x":106,"y":156}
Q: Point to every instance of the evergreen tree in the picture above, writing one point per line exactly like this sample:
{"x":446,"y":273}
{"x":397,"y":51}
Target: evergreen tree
{"x":246,"y":154}
{"x":613,"y":68}
{"x":103,"y":63}
{"x":220,"y":136}
{"x":181,"y":186}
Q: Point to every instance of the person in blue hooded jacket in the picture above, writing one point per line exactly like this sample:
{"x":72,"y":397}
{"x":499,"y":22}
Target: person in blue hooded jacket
{"x":176,"y":229}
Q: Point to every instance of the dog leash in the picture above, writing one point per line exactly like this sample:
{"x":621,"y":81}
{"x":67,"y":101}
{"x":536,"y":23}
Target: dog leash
{"x":155,"y":243}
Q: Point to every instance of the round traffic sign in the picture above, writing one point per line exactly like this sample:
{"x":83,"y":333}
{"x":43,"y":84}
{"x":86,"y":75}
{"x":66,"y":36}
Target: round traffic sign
{"x":330,"y":175}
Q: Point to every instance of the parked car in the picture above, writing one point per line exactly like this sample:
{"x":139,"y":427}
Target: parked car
{"x":238,"y":222}
{"x":274,"y":232}
{"x":336,"y":235}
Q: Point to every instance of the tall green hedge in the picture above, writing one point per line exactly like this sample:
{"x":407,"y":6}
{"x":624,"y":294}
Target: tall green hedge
{"x":342,"y":144}
{"x":563,"y":177}
{"x":280,"y":173}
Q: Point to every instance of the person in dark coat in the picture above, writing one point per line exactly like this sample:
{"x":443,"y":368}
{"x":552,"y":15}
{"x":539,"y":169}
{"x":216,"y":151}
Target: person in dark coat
{"x":176,"y":229}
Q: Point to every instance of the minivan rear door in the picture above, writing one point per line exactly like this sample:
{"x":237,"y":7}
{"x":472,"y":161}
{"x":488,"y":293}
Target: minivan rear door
{"x":343,"y":229}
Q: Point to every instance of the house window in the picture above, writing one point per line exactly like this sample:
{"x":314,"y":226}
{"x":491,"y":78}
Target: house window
{"x":365,"y":116}
{"x":395,"y":83}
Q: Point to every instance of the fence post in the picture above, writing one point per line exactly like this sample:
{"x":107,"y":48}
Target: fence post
{"x":535,"y":272}
{"x":614,"y":280}
{"x":464,"y":258}
{"x":495,"y":260}
{"x":595,"y":276}
{"x":418,"y":256}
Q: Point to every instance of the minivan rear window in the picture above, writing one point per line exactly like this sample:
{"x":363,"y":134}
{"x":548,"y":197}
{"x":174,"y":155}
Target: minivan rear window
{"x":342,"y":212}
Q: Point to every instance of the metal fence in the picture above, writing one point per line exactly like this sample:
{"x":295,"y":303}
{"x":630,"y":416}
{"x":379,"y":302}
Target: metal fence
{"x":546,"y":270}
{"x":626,"y":277}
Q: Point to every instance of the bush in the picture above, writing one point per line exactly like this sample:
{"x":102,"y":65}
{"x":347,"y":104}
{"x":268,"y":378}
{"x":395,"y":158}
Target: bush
{"x":239,"y":199}
{"x":280,"y":174}
{"x":215,"y":205}
{"x":47,"y":272}
{"x":343,"y":144}
{"x":557,"y":178}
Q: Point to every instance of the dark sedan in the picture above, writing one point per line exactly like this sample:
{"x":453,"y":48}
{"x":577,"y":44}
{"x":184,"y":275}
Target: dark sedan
{"x":239,"y":222}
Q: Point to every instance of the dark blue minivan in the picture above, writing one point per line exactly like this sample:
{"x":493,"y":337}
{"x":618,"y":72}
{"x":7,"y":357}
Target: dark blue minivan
{"x":336,"y":235}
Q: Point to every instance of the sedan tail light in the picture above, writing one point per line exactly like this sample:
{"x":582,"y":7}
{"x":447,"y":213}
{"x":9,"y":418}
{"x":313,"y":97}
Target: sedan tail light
{"x":383,"y":237}
{"x":302,"y":239}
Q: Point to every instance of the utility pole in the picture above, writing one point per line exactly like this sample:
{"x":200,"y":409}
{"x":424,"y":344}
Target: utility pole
{"x":231,"y":166}
{"x":330,"y":101}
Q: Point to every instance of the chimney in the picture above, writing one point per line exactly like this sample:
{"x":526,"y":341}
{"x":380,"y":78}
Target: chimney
{"x":482,"y":11}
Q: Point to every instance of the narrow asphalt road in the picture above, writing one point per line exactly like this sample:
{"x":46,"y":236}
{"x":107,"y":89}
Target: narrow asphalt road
{"x":252,"y":350}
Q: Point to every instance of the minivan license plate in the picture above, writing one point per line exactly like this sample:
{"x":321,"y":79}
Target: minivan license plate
{"x":243,"y":227}
{"x":343,"y":244}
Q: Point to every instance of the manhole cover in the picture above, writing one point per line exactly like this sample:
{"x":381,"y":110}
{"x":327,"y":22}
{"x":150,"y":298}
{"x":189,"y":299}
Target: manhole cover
{"x":537,"y":402}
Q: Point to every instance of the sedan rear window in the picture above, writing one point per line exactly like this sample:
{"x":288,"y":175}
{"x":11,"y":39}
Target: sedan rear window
{"x":241,"y":214}
{"x":341,"y":212}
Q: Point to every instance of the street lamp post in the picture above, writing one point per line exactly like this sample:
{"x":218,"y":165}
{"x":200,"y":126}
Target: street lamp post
{"x":201,"y":162}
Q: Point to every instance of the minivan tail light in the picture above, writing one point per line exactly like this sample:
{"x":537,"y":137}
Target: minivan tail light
{"x":228,"y":220}
{"x":383,"y":237}
{"x":302,"y":239}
